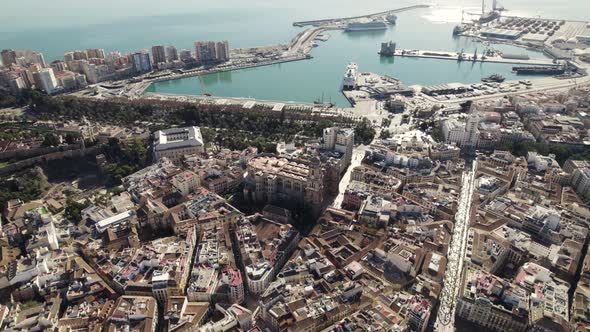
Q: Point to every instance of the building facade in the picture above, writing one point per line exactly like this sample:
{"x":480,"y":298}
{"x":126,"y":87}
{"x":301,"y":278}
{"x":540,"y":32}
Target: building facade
{"x":175,"y":143}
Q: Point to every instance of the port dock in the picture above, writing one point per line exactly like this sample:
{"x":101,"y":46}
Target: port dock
{"x":345,"y":20}
{"x":467,"y":57}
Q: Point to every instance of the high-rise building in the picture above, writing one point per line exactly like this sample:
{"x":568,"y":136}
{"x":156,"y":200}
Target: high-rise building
{"x":158,"y":54}
{"x":113,"y":58}
{"x":45,"y":80}
{"x":8,"y":57}
{"x":205,"y":51}
{"x":28,"y":57}
{"x":171,"y":53}
{"x":17,"y":83}
{"x":471,"y":130}
{"x":59,"y":65}
{"x":339,"y":140}
{"x":69,"y":56}
{"x":80,"y":55}
{"x":96,"y":53}
{"x":186,"y":56}
{"x":222,"y":51}
{"x":141,"y":61}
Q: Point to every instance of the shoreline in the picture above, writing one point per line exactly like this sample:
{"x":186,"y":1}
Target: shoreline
{"x":300,"y":48}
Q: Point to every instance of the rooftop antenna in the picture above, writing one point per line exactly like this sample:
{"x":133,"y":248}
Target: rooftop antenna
{"x":483,"y":7}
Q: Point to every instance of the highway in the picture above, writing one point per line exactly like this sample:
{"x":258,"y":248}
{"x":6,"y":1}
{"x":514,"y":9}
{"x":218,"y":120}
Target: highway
{"x":445,"y":319}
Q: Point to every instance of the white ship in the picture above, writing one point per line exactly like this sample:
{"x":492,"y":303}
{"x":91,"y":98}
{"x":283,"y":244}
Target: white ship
{"x":367,"y":26}
{"x":349,"y":82}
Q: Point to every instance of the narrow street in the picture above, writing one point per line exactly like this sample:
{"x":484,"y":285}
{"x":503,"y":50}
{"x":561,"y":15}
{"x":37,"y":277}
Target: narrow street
{"x":445,"y":320}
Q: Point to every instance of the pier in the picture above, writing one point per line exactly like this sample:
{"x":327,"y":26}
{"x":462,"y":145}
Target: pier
{"x":467,"y":57}
{"x":344,"y":20}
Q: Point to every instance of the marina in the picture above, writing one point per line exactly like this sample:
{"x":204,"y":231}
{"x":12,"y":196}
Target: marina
{"x":305,"y":81}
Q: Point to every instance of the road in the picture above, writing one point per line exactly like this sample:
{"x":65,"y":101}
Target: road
{"x":445,"y":320}
{"x":373,"y":111}
{"x":358,"y":153}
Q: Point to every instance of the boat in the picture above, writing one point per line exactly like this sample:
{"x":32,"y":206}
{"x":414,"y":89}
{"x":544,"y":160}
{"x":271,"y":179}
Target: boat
{"x":349,"y":81}
{"x":321,"y":102}
{"x":459,"y":29}
{"x":539,"y":70}
{"x":367,"y":26}
{"x":391,"y":18}
{"x":494,"y":78}
{"x":487,"y":17}
{"x":322,"y":37}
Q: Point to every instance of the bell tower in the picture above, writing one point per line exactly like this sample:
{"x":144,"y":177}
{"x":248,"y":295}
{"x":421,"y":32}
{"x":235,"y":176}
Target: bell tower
{"x":314,"y":191}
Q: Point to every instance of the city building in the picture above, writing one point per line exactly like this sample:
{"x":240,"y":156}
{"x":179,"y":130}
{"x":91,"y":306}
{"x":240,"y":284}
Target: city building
{"x":45,"y":80}
{"x":175,"y":143}
{"x":95,"y":53}
{"x":340,"y":140}
{"x":210,"y":51}
{"x":158,"y":54}
{"x":262,"y":248}
{"x":205,"y":51}
{"x":133,"y":313}
{"x":186,"y":56}
{"x":272,"y":179}
{"x":492,"y":303}
{"x":222,"y":51}
{"x":141,"y":62}
{"x":171,"y":53}
{"x":8,"y":57}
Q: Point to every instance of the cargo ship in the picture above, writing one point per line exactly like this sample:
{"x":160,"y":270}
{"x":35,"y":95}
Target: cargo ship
{"x":368,"y":26}
{"x":487,"y":17}
{"x":497,"y":78}
{"x":539,"y":70}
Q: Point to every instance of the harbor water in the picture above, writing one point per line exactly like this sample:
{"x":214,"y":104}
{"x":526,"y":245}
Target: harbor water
{"x":308,"y":80}
{"x":53,"y":28}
